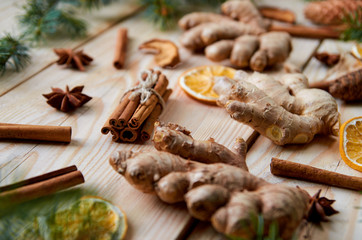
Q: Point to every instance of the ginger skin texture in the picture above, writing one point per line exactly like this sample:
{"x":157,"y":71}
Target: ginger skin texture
{"x":257,"y":52}
{"x":285,"y":111}
{"x":203,"y":28}
{"x":228,"y":196}
{"x":177,"y":140}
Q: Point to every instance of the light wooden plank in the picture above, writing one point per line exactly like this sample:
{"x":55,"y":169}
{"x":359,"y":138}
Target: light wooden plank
{"x":42,"y":55}
{"x":89,"y":150}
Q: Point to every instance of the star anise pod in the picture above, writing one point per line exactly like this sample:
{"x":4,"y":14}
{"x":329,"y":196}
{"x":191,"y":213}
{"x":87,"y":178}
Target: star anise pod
{"x":67,"y":100}
{"x":75,"y":59}
{"x":319,"y":208}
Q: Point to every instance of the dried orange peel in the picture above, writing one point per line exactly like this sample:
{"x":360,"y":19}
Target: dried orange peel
{"x":350,"y":143}
{"x":199,"y":81}
{"x":89,"y":218}
{"x":167,"y":54}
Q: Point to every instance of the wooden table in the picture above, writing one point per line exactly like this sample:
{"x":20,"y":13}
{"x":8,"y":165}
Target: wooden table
{"x":21,"y":101}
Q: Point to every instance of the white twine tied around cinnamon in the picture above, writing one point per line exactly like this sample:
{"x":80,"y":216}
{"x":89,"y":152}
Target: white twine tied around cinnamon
{"x":144,"y":88}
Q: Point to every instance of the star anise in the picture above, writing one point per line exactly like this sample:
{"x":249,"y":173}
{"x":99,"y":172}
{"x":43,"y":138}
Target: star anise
{"x":67,"y":100}
{"x":320,"y":208}
{"x":75,"y":59}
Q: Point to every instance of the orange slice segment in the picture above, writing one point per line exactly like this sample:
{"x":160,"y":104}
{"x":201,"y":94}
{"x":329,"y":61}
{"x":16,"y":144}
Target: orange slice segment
{"x":350,"y":145}
{"x":198,"y":82}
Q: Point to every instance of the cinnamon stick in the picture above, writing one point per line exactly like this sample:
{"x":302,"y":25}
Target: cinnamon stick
{"x":128,"y":135}
{"x":279,"y":14}
{"x":149,"y":124}
{"x":306,"y":31}
{"x":40,"y":188}
{"x":115,"y":132}
{"x":39,"y":178}
{"x":299,"y":171}
{"x":144,"y":110}
{"x":128,"y":112}
{"x":121,"y":47}
{"x":35,"y":132}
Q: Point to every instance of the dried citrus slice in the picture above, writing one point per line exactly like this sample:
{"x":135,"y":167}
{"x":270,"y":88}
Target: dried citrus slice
{"x":350,"y":145}
{"x":198,"y":82}
{"x":357,"y":51}
{"x":88,"y":218}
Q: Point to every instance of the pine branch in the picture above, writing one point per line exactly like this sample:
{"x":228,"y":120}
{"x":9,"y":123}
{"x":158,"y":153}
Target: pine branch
{"x":13,"y":52}
{"x":354,"y":26}
{"x":165,"y":12}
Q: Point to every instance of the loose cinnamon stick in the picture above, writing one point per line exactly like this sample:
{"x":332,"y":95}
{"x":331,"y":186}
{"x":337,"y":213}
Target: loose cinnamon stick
{"x":40,"y":189}
{"x":121,"y":47}
{"x":299,"y":171}
{"x":279,"y":14}
{"x":149,"y":124}
{"x":144,"y":110}
{"x":39,"y":178}
{"x":307,"y":32}
{"x":128,"y":135}
{"x":321,"y":85}
{"x":36,"y":132}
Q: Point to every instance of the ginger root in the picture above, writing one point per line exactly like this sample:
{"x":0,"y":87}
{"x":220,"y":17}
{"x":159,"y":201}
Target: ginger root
{"x":257,"y":52}
{"x":167,"y":54}
{"x":285,"y":111}
{"x":246,"y":12}
{"x":177,"y":140}
{"x":205,"y":28}
{"x":228,"y":196}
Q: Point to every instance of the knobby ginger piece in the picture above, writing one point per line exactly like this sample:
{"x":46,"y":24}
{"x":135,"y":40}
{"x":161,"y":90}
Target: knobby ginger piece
{"x":274,"y":48}
{"x":177,"y":140}
{"x":246,"y":12}
{"x":196,"y":18}
{"x":205,"y":34}
{"x":220,"y":193}
{"x":167,"y":54}
{"x":285,"y":111}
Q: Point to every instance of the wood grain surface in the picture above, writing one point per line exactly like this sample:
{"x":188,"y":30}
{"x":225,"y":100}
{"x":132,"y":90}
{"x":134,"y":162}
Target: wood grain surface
{"x":21,"y":101}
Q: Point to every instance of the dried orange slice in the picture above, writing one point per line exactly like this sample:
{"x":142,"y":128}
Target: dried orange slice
{"x":350,"y":143}
{"x":198,"y":82}
{"x":88,"y":218}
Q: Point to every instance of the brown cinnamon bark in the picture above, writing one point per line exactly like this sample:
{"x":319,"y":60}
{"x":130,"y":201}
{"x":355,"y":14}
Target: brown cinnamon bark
{"x":39,"y":178}
{"x":128,"y":112}
{"x":115,"y":132}
{"x":113,"y":119}
{"x":299,"y":171}
{"x":121,"y":48}
{"x":307,"y":32}
{"x":128,"y":135}
{"x":149,"y":124}
{"x":279,"y":14}
{"x":36,"y":132}
{"x":40,"y":189}
{"x":144,"y":110}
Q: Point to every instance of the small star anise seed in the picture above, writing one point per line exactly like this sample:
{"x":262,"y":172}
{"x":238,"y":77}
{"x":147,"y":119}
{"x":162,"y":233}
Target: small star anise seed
{"x":75,"y":59}
{"x":319,"y":208}
{"x":66,"y":101}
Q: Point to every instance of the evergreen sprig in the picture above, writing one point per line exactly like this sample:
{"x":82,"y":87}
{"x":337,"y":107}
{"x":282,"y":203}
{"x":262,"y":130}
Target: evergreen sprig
{"x":164,"y":13}
{"x":354,"y":26}
{"x":13,"y":52}
{"x":43,"y":18}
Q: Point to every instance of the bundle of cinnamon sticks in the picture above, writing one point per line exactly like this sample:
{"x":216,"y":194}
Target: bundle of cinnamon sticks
{"x":139,"y":108}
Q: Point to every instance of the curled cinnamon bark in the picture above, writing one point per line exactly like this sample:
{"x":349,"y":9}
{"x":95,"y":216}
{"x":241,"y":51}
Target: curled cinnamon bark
{"x":121,"y":48}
